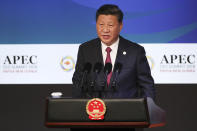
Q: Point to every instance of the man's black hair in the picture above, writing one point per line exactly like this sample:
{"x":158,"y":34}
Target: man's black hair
{"x":109,"y":9}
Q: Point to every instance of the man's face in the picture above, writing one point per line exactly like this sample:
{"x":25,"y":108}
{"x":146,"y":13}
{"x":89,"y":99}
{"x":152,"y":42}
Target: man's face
{"x":108,"y":28}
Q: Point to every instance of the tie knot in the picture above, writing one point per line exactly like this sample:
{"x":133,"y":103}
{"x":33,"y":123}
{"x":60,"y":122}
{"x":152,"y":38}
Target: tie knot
{"x":108,"y":49}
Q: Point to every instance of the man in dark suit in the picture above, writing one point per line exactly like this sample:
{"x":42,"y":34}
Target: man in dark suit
{"x":134,"y":78}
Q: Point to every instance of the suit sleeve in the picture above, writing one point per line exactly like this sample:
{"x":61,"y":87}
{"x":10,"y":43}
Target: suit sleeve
{"x":144,"y":79}
{"x":76,"y":79}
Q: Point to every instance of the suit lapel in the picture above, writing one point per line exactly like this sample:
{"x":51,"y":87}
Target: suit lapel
{"x":98,"y":52}
{"x":120,"y":57}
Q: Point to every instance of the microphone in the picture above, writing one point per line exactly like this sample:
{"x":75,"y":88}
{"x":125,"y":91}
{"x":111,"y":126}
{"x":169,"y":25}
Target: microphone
{"x":96,"y":70}
{"x":97,"y":67}
{"x":87,"y":67}
{"x":86,"y":70}
{"x":118,"y":67}
{"x":117,"y":70}
{"x":107,"y":68}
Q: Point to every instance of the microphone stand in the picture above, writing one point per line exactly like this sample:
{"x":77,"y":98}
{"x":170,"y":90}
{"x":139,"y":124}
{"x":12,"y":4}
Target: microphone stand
{"x":83,"y":83}
{"x":106,"y":74}
{"x":117,"y":70}
{"x":114,"y":82}
{"x":107,"y":70}
{"x":86,"y":70}
{"x":92,"y":83}
{"x":97,"y":69}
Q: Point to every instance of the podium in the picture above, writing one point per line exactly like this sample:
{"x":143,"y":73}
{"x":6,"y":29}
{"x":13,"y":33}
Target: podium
{"x":121,"y":113}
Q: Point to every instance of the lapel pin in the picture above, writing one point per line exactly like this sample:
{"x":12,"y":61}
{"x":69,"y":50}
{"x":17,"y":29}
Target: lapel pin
{"x":124,"y":53}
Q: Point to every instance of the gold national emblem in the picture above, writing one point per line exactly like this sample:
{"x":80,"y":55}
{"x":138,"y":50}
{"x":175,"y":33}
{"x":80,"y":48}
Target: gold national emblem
{"x":96,"y":109}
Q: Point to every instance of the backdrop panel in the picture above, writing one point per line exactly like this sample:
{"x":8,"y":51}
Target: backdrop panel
{"x":55,"y":63}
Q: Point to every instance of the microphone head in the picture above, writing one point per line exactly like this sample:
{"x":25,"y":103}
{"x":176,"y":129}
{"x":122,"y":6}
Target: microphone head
{"x":87,"y":67}
{"x":107,"y":68}
{"x":97,"y":67}
{"x":118,"y":67}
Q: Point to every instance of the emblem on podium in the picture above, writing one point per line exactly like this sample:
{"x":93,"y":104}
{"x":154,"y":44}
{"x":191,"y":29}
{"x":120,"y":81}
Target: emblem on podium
{"x":96,"y":109}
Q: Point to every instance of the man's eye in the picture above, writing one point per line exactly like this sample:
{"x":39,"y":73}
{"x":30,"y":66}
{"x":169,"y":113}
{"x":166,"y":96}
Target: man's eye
{"x":110,"y":25}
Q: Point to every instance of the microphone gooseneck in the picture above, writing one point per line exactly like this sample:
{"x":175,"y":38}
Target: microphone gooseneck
{"x":107,"y":70}
{"x":97,"y":68}
{"x":117,"y":70}
{"x":86,"y":70}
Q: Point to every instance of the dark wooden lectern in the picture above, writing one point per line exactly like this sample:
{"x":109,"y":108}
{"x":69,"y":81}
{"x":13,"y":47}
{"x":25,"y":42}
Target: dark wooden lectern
{"x":121,"y":113}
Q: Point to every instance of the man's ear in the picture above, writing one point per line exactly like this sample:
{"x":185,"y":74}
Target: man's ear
{"x":121,"y":25}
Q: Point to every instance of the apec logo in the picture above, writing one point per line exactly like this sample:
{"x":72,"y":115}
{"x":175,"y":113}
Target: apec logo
{"x":178,"y":59}
{"x":178,"y":63}
{"x":24,"y":59}
{"x":20,"y":64}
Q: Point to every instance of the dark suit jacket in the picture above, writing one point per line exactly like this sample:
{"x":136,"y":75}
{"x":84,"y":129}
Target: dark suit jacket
{"x":134,"y":80}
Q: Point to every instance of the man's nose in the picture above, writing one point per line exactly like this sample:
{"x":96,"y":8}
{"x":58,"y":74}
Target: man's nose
{"x":106,"y":29}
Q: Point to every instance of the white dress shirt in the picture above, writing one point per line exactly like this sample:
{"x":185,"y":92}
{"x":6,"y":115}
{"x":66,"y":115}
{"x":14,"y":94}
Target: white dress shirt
{"x":113,"y":53}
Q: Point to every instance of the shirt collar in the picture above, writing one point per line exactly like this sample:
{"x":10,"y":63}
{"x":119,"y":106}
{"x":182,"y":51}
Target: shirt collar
{"x":112,"y":46}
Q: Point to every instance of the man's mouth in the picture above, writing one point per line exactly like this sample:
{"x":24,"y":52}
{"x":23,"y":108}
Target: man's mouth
{"x":106,"y":36}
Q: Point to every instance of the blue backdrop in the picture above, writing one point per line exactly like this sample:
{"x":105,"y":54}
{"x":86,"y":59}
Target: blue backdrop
{"x":73,"y":21}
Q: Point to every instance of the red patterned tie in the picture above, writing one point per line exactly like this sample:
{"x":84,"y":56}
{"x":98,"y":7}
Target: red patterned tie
{"x":108,"y":60}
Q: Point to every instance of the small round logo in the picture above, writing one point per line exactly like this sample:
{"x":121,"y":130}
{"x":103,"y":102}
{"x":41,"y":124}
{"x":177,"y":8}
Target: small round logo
{"x":67,"y":63}
{"x":96,"y":109}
